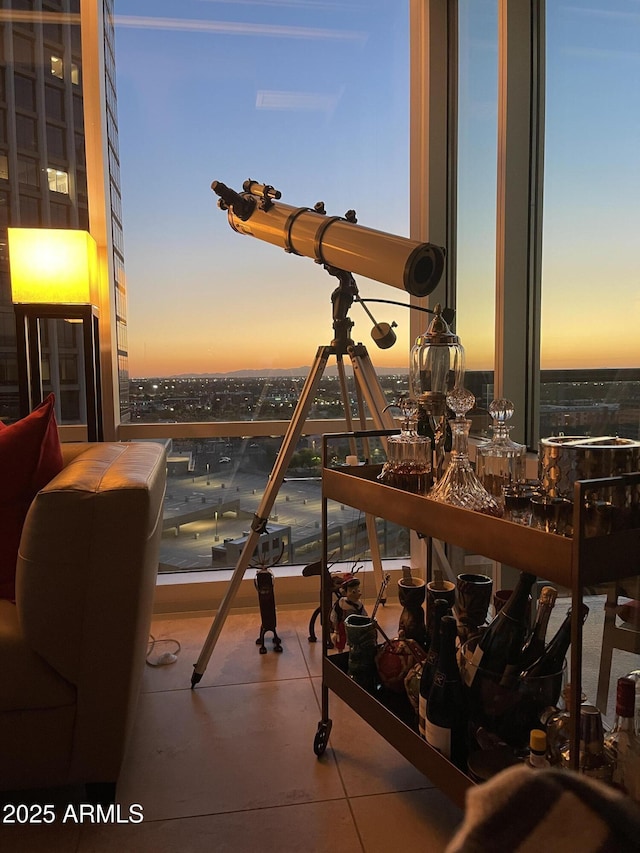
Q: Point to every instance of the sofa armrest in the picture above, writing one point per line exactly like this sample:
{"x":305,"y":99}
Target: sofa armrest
{"x":86,"y":579}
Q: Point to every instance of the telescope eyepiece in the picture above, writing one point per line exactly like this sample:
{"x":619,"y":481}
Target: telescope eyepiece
{"x":242,"y":206}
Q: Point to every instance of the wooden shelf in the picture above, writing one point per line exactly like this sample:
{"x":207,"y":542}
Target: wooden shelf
{"x":543,"y":554}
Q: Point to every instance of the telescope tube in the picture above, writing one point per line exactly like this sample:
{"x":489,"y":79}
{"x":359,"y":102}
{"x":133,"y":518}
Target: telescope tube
{"x":334,"y":241}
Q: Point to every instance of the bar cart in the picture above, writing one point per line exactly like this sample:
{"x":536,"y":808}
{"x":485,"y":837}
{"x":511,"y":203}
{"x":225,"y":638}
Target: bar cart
{"x":575,"y":563}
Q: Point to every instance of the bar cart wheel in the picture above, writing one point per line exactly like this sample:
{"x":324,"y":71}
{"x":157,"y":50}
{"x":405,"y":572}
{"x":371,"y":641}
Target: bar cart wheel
{"x":322,"y":737}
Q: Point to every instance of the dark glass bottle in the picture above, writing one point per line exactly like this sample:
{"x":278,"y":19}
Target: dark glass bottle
{"x":446,"y":723}
{"x":441,"y":608}
{"x":500,"y":647}
{"x":551,"y":661}
{"x":535,"y":643}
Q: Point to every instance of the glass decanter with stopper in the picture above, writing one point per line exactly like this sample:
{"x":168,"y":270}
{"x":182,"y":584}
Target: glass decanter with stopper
{"x":459,"y":484}
{"x":501,"y":461}
{"x":409,"y":456}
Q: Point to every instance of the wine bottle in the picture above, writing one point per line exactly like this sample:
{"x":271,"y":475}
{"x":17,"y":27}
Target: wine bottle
{"x":623,"y":742}
{"x":499,"y":648}
{"x":534,"y":646}
{"x":441,"y":608}
{"x":446,"y":723}
{"x":551,"y":661}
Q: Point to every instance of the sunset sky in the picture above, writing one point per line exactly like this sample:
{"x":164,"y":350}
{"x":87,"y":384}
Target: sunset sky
{"x":312,"y":97}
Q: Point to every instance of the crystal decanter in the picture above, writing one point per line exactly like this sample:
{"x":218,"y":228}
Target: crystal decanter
{"x":408,"y":464}
{"x":459,"y":485}
{"x":500,"y":462}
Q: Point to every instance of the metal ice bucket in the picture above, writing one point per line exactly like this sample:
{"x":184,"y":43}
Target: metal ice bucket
{"x":566,"y":458}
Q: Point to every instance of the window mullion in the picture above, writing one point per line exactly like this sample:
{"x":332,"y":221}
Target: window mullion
{"x":432,"y":183}
{"x":519,"y":206}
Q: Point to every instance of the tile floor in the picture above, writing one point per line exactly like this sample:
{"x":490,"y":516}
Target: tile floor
{"x":230,"y":765}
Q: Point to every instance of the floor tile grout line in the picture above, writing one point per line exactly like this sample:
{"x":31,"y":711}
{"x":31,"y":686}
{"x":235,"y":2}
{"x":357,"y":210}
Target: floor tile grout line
{"x":241,"y":811}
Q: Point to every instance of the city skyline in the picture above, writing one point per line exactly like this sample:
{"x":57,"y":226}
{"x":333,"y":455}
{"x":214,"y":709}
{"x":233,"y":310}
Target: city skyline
{"x":312,"y":97}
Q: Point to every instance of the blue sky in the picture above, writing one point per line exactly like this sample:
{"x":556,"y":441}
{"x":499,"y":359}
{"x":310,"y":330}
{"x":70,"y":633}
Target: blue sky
{"x":314,"y":100}
{"x":312,"y":97}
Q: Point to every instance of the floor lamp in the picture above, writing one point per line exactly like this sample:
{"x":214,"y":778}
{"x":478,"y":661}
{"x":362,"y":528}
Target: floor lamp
{"x":53,"y":272}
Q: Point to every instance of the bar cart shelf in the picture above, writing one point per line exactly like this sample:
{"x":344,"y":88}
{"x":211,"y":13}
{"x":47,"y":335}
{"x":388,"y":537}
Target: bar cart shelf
{"x":569,"y":562}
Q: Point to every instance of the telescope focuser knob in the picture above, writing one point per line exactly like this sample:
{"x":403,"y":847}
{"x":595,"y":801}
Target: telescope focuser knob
{"x":319,"y":208}
{"x":350,"y":216}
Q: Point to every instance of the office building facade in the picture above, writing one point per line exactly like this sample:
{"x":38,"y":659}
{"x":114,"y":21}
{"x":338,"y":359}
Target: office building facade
{"x":43,"y":181}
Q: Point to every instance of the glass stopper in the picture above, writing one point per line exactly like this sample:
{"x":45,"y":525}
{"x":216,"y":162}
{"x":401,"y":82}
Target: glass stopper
{"x":501,"y":410}
{"x":460,"y":400}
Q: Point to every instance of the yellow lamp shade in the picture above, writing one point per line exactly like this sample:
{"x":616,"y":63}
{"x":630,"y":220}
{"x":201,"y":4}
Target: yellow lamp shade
{"x":51,"y":265}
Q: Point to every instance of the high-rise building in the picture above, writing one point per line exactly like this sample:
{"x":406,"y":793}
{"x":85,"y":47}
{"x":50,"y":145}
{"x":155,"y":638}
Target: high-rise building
{"x":43,"y":179}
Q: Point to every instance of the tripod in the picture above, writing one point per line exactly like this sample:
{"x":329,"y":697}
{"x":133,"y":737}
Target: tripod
{"x":367,"y":389}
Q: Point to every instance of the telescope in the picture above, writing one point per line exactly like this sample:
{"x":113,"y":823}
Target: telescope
{"x":334,"y":241}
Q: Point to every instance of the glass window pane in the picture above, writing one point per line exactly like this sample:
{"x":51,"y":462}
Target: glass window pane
{"x":590,"y":350}
{"x":312,"y":98}
{"x":215,"y":486}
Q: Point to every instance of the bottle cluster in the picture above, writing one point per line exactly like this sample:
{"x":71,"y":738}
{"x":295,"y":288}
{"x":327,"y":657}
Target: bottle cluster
{"x":490,"y":695}
{"x":497,"y":681}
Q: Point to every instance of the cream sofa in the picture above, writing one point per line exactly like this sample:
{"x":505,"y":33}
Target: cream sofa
{"x":73,"y":646}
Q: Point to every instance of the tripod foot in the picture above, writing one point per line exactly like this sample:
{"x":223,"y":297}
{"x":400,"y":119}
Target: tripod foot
{"x":195,"y":678}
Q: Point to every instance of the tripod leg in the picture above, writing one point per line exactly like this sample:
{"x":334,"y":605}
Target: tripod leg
{"x":374,"y":547}
{"x":369,"y":385}
{"x":293,"y":433}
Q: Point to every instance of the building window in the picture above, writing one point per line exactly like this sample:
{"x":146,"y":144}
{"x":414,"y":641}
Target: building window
{"x":75,"y":74}
{"x":54,"y":103}
{"x":59,"y":215}
{"x":52,"y":32}
{"x":30,"y":212}
{"x":58,"y":180}
{"x":26,"y":132}
{"x":7,"y":330}
{"x":56,"y":146}
{"x":4,"y":167}
{"x":23,"y":53}
{"x":4,"y":219}
{"x":8,"y":369}
{"x":28,"y":172}
{"x":57,"y":68}
{"x":78,"y":113}
{"x":68,"y":369}
{"x":25,"y":92}
{"x":81,"y":158}
{"x":70,"y":406}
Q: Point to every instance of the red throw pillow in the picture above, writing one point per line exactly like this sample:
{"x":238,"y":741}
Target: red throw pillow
{"x":30,"y":456}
